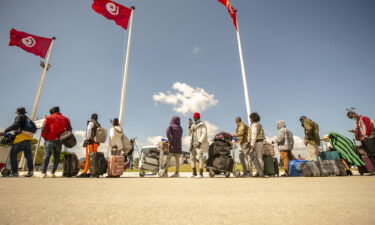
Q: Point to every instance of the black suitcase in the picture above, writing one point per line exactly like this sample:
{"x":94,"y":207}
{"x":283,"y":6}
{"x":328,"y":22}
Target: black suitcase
{"x":223,"y":163}
{"x":268,"y":165}
{"x":276,"y":166}
{"x":70,"y":165}
{"x":98,"y":164}
{"x":222,"y":148}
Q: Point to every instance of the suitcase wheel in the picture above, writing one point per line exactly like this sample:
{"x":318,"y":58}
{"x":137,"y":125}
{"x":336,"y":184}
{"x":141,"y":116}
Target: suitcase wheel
{"x":227,"y":174}
{"x":161,"y":173}
{"x":361,"y":174}
{"x":236,"y":173}
{"x":212,"y":173}
{"x":142,"y":173}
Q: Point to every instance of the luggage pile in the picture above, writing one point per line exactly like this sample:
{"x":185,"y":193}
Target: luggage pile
{"x":153,"y":158}
{"x":329,"y":164}
{"x":219,"y":159}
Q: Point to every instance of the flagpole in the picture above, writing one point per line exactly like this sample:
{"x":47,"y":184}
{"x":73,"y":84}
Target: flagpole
{"x":126,"y":70}
{"x":244,"y":80}
{"x":36,"y":101}
{"x":39,"y":91}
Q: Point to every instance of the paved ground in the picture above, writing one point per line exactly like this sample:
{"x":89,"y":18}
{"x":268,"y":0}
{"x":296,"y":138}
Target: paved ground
{"x":132,"y":200}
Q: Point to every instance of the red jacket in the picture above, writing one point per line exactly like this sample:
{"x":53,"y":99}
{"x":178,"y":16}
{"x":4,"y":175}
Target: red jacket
{"x":364,"y":128}
{"x":54,"y":126}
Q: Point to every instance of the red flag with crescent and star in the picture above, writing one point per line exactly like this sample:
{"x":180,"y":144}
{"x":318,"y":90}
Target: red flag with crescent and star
{"x":113,"y":11}
{"x":232,"y":11}
{"x":34,"y":44}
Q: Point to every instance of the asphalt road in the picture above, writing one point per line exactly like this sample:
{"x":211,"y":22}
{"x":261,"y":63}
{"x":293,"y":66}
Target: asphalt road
{"x":131,"y":200}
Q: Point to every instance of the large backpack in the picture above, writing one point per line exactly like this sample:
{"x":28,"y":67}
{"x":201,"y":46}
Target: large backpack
{"x":101,"y":134}
{"x":29,"y":128}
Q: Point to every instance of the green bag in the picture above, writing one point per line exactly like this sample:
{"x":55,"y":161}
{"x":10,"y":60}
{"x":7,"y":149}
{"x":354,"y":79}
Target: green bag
{"x":269,"y":168}
{"x":330,"y":155}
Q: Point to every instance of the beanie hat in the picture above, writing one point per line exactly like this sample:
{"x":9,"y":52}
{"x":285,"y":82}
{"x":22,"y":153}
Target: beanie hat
{"x":197,"y":115}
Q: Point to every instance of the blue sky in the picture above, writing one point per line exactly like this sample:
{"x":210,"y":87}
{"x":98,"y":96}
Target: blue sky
{"x":312,"y":58}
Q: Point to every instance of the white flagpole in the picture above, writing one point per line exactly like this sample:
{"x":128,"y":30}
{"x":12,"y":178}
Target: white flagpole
{"x":126,"y":66}
{"x":36,"y":101}
{"x":39,"y":91}
{"x":244,"y":80}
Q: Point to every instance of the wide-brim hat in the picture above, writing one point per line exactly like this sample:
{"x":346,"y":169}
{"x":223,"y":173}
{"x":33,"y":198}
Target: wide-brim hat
{"x":21,"y":110}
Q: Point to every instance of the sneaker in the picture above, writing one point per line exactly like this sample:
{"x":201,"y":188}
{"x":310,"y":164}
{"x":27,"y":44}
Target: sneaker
{"x":193,"y":176}
{"x":84,"y":175}
{"x":285,"y":175}
{"x":245,"y":175}
{"x":29,"y":174}
{"x":44,"y":175}
{"x":175,"y":175}
{"x":53,"y":175}
{"x":13,"y":175}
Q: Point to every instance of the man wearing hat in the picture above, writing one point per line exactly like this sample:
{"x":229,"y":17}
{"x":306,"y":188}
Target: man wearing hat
{"x":22,"y":142}
{"x":198,"y":144}
{"x":54,"y":125}
{"x":312,"y":138}
{"x":90,"y":144}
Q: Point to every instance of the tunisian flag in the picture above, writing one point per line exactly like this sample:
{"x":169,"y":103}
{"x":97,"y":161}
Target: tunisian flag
{"x":113,"y":11}
{"x":34,"y":44}
{"x":232,"y":11}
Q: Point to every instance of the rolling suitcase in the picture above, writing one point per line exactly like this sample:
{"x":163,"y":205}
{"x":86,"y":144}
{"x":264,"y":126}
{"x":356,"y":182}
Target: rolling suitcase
{"x":276,"y":166}
{"x":70,"y":165}
{"x":116,"y":165}
{"x":269,"y":166}
{"x":98,"y":164}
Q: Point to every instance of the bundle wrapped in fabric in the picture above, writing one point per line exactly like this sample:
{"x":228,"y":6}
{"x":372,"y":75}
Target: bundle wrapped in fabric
{"x":163,"y":145}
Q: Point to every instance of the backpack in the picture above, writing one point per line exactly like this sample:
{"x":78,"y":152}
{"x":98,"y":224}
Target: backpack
{"x":29,"y":127}
{"x":68,"y":139}
{"x":101,"y":134}
{"x":289,"y":141}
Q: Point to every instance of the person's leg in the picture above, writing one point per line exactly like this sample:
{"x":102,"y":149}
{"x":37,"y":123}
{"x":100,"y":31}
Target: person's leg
{"x":193,"y":161}
{"x":312,"y":150}
{"x":47,"y":156}
{"x":200,"y":158}
{"x":87,"y":162}
{"x":284,"y":158}
{"x":169,"y":156}
{"x":243,"y":162}
{"x":26,"y":145}
{"x":177,"y":158}
{"x":56,"y":155}
{"x":255,"y":161}
{"x":369,"y":147}
{"x":259,"y":151}
{"x":16,"y":148}
{"x":249,"y":164}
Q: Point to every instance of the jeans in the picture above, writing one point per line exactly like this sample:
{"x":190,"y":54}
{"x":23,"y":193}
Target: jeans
{"x":24,"y":146}
{"x":130,"y":159}
{"x":51,"y":147}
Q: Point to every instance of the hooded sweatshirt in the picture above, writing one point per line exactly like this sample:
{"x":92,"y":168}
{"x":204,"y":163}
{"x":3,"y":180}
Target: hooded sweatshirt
{"x":284,"y":140}
{"x":174,"y":135}
{"x":115,"y":137}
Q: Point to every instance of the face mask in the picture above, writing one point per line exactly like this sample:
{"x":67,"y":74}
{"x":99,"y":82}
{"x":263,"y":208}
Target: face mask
{"x":354,"y":118}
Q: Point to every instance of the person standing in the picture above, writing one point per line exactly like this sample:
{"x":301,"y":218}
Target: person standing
{"x":198,"y":143}
{"x":90,"y":144}
{"x":285,"y":143}
{"x":129,"y":156}
{"x":21,"y":143}
{"x":365,"y":133}
{"x":312,"y":139}
{"x":54,"y":125}
{"x":241,"y":135}
{"x":255,"y":140}
{"x":115,"y":137}
{"x":174,"y":135}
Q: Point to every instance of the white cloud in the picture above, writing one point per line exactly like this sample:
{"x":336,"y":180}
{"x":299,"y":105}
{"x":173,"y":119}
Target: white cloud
{"x":186,"y":99}
{"x":153,"y":140}
{"x":196,"y":50}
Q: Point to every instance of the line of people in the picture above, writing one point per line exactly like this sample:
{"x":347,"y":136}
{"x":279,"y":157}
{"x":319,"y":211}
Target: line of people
{"x":250,"y":139}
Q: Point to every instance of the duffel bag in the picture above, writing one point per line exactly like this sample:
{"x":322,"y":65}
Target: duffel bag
{"x":67,"y":139}
{"x":295,"y":167}
{"x":223,"y":136}
{"x":310,"y":169}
